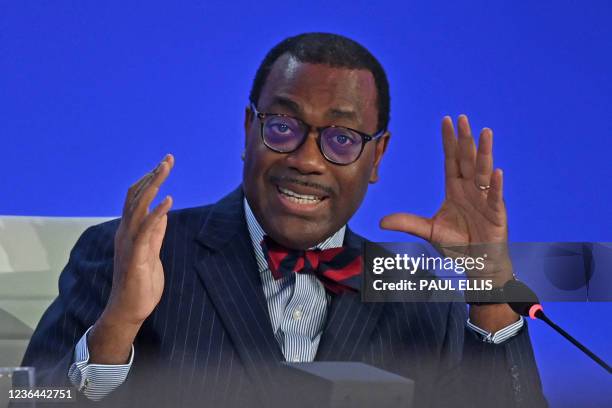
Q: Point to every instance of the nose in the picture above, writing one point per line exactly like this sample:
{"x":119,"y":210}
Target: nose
{"x":307,"y":159}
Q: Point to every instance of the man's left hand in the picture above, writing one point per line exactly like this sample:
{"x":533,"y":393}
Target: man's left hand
{"x":473,"y":212}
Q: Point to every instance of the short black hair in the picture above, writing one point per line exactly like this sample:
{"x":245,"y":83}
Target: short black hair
{"x":333,"y":50}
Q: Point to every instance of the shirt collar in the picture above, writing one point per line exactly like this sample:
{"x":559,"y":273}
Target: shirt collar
{"x":257,"y":234}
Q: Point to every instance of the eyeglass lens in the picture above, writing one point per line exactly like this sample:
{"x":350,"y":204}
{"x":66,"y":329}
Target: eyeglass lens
{"x":285,"y":134}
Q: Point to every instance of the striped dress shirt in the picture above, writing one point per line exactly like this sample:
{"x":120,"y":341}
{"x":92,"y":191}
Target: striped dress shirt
{"x":297,"y":303}
{"x":297,"y":306}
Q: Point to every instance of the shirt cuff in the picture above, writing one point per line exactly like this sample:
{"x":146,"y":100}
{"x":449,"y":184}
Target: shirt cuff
{"x":501,"y":335}
{"x":96,"y":381}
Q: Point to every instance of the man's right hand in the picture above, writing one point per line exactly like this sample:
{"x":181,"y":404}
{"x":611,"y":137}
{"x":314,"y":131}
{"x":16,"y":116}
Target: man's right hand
{"x":138,"y":276}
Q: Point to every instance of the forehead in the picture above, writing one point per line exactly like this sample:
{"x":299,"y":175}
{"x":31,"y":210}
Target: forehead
{"x":319,"y":89}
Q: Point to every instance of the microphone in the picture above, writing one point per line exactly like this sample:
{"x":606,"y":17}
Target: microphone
{"x":525,"y":302}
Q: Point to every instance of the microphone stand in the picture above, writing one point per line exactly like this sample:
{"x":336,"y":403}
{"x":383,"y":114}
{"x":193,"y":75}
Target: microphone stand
{"x":540,"y":315}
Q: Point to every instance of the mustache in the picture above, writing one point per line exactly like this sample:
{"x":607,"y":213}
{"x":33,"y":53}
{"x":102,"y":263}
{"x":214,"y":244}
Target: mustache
{"x":288,"y":179}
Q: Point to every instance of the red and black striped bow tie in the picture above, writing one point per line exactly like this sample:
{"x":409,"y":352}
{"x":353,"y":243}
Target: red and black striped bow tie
{"x":338,"y":269}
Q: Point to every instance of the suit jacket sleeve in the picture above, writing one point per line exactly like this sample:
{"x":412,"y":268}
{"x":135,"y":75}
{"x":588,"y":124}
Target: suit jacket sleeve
{"x":474,"y":373}
{"x":84,"y":287}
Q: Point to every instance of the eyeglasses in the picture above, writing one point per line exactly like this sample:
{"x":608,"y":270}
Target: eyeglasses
{"x":285,"y":134}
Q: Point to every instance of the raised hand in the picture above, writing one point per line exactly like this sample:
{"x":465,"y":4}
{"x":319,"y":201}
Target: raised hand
{"x":138,"y":275}
{"x":473,"y":210}
{"x":138,"y":278}
{"x":472,"y":219}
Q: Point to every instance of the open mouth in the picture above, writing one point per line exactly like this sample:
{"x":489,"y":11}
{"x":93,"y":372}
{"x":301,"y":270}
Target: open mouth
{"x":298,"y":198}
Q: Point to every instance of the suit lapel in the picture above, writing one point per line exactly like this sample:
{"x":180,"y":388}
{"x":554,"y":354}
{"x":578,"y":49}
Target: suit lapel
{"x":350,"y":320}
{"x":229,"y":272}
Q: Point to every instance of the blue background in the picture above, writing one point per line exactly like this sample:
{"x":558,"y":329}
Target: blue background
{"x":93,"y":94}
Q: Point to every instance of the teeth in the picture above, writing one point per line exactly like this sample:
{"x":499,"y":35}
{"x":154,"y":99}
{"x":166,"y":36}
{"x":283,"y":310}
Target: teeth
{"x":299,"y":198}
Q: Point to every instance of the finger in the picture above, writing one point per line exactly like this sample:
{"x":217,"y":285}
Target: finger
{"x":449,"y":141}
{"x":467,"y":148}
{"x":168,"y":160}
{"x":141,"y":203}
{"x":495,"y":198}
{"x":133,"y":191}
{"x":136,"y":189}
{"x":157,"y":235}
{"x":150,"y":224}
{"x":408,"y":223}
{"x":484,"y":158}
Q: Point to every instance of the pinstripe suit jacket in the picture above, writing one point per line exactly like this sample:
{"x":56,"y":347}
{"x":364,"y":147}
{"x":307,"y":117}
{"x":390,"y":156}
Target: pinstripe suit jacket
{"x":210,"y":337}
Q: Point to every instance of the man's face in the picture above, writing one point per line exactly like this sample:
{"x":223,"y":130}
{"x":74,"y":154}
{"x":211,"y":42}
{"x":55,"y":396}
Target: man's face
{"x":320,"y":96}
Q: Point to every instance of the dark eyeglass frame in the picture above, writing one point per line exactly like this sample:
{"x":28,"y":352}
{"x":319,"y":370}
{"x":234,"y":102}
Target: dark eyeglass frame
{"x":365,"y":138}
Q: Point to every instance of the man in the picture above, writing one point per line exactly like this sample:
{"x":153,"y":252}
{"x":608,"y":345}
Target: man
{"x":193,"y":298}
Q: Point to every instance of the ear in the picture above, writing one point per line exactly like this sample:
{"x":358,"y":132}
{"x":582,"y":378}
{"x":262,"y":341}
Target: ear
{"x":381,"y":147}
{"x":248,"y":121}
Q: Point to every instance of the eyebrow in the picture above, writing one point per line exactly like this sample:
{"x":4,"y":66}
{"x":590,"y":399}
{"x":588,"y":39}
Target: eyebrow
{"x":342,"y":114}
{"x":294,"y":107}
{"x":287,"y":103}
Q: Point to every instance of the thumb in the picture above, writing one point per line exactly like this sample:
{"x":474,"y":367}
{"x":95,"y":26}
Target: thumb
{"x":408,"y":223}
